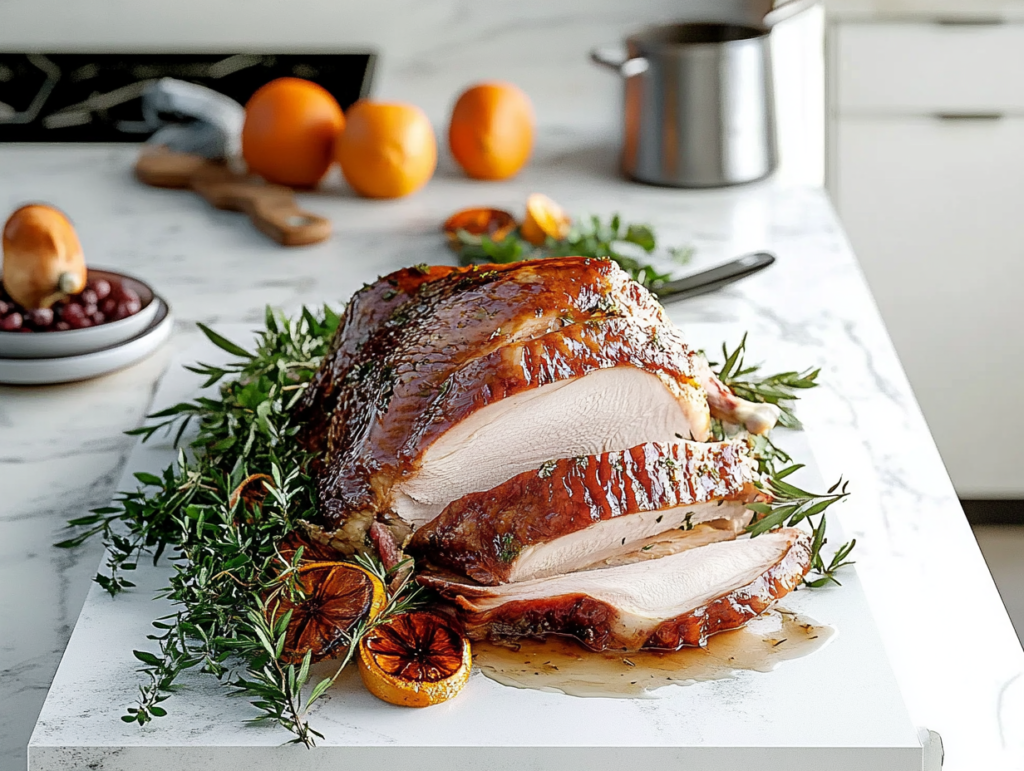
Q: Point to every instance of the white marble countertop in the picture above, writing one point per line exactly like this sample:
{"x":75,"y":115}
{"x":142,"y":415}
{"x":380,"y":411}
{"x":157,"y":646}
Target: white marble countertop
{"x":954,"y":652}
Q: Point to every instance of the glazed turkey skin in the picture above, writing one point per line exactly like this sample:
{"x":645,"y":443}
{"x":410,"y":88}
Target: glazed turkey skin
{"x":577,"y":512}
{"x":443,"y":382}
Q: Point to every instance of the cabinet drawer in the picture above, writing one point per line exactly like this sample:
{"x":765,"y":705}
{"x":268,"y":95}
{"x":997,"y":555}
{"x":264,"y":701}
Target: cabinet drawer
{"x":926,"y":68}
{"x":933,"y":210}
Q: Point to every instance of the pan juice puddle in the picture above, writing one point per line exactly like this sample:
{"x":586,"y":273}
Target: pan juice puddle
{"x":563,"y":666}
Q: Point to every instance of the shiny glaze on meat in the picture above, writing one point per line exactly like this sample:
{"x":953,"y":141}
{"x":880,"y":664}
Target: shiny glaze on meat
{"x":483,"y":535}
{"x":599,"y":626}
{"x":418,"y":351}
{"x":366,"y":311}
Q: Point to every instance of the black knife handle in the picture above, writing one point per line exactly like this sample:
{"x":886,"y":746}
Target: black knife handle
{"x":715,"y":278}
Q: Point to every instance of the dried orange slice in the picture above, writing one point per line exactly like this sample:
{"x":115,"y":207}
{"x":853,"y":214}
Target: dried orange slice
{"x":496,"y":224}
{"x":544,"y":219}
{"x":338,"y":595}
{"x":415,"y":659}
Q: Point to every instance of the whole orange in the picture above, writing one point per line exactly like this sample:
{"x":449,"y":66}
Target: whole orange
{"x":491,"y":130}
{"x":289,"y":131}
{"x":386,"y":150}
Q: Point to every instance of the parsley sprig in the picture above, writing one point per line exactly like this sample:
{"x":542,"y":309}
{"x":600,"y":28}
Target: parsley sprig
{"x":630,"y":245}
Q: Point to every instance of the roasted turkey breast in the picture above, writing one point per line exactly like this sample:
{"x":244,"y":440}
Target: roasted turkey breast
{"x":444,"y":382}
{"x":578,"y":512}
{"x":536,"y":435}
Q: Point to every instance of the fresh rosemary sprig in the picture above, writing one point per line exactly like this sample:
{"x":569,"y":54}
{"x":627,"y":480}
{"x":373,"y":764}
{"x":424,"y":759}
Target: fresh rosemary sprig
{"x":630,"y":245}
{"x":779,"y":389}
{"x":790,"y":506}
{"x":226,"y":558}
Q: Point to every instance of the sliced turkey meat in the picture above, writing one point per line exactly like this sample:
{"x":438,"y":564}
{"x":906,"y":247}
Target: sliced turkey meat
{"x":577,"y":512}
{"x":447,"y":384}
{"x":667,"y":603}
{"x":582,"y":390}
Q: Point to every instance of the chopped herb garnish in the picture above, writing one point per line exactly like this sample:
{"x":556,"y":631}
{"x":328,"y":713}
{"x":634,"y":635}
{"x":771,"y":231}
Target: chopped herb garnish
{"x":508,"y":547}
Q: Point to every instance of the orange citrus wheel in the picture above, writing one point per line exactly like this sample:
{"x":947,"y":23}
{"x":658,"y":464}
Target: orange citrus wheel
{"x":544,"y":219}
{"x":491,"y":130}
{"x":289,"y":132}
{"x":386,"y":150}
{"x":416,"y":659}
{"x":496,"y":224}
{"x":338,"y":595}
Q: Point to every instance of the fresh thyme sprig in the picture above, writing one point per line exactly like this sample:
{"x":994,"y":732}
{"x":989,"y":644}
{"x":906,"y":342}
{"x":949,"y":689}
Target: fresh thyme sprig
{"x":780,"y":390}
{"x":226,"y":560}
{"x":246,"y":430}
{"x":630,"y":245}
{"x":790,"y":506}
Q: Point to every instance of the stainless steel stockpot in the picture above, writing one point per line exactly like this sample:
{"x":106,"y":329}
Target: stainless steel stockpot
{"x":699,"y":107}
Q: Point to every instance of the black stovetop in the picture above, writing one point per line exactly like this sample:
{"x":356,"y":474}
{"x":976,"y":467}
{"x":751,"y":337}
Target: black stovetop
{"x":95,"y":97}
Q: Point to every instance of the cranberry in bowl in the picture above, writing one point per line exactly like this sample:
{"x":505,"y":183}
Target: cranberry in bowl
{"x":112,"y":309}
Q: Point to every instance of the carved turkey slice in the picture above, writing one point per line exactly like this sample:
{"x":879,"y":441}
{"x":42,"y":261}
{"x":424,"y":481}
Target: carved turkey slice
{"x":447,"y":382}
{"x":667,"y":603}
{"x":577,"y":512}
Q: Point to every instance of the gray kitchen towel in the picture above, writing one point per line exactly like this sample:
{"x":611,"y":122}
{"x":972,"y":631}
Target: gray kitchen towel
{"x":193,"y":119}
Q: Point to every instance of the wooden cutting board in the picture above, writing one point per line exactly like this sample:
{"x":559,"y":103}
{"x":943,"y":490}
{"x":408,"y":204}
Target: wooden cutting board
{"x":271,"y":208}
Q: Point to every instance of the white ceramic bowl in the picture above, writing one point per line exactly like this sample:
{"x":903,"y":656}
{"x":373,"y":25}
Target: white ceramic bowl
{"x":67,"y":369}
{"x":75,"y":342}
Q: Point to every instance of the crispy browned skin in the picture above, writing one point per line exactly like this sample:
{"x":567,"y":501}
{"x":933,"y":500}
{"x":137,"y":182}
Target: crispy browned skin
{"x":366,"y":311}
{"x":419,"y":351}
{"x":482,"y":534}
{"x":598,"y":626}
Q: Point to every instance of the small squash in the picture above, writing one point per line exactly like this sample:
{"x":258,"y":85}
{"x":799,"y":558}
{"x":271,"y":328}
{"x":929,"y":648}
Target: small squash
{"x":43,"y":259}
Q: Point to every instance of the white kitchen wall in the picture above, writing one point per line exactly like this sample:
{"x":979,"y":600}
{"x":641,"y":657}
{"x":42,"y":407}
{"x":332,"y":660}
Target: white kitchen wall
{"x":430,"y":50}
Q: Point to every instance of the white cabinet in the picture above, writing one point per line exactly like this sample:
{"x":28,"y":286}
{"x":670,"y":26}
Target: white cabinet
{"x":927,"y":174}
{"x":901,"y":69}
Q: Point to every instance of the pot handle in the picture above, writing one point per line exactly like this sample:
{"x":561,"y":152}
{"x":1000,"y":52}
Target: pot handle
{"x":618,"y":61}
{"x":785,"y":10}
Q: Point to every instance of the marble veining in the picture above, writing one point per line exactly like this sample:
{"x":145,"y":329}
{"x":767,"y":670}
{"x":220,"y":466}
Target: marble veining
{"x":61,"y":450}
